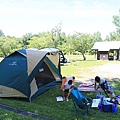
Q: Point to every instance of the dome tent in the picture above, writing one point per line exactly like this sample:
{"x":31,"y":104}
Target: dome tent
{"x":29,"y":72}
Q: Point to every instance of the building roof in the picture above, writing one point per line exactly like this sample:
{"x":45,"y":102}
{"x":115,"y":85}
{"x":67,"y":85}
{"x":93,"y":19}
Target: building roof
{"x":106,"y":46}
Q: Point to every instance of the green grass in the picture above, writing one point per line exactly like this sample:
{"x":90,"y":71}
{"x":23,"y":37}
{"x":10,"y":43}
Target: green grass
{"x":46,"y":104}
{"x":74,"y":68}
{"x":6,"y":115}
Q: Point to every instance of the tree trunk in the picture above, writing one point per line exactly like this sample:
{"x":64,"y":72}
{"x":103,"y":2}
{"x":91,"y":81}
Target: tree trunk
{"x":84,"y":58}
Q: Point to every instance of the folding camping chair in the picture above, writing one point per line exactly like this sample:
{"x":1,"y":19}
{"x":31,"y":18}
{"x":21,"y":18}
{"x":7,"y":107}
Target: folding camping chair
{"x":81,"y":102}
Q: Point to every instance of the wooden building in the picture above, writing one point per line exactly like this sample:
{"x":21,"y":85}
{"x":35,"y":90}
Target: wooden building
{"x":107,"y":50}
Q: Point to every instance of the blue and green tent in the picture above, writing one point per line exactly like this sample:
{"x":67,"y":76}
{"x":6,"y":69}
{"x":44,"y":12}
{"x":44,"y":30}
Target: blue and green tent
{"x":29,"y":72}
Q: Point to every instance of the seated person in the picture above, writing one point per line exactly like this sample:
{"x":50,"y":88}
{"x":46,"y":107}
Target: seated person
{"x":104,"y":85}
{"x":67,"y":85}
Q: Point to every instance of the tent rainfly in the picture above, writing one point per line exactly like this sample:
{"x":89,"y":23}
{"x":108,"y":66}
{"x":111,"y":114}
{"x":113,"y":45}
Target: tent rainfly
{"x":29,"y":72}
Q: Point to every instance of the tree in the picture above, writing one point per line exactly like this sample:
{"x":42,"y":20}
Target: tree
{"x":1,"y":33}
{"x":116,"y":35}
{"x":57,"y":36}
{"x":69,"y":44}
{"x":116,"y":21}
{"x":24,"y":41}
{"x":97,"y":37}
{"x":82,"y":43}
{"x":8,"y":45}
{"x":2,"y":47}
{"x":41,"y":40}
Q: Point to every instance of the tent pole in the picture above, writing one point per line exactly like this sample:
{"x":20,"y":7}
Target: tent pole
{"x":30,"y":99}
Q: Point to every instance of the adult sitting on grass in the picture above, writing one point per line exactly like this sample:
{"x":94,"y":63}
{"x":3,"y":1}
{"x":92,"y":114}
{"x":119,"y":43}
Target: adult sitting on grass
{"x":67,"y":85}
{"x":104,"y":85}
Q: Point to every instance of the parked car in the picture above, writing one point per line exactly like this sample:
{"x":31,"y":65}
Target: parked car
{"x":63,"y":59}
{"x":111,"y":58}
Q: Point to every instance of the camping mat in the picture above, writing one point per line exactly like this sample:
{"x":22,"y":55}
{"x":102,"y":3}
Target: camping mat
{"x":88,"y":87}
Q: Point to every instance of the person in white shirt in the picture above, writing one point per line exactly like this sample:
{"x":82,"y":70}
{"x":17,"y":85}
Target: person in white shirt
{"x":68,"y":84}
{"x":104,"y":85}
{"x":71,"y":78}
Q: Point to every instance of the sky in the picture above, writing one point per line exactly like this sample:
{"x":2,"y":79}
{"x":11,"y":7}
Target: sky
{"x":18,"y":17}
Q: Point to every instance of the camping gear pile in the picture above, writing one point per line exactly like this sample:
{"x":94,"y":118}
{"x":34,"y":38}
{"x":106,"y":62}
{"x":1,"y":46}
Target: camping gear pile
{"x":101,"y":102}
{"x":29,"y":72}
{"x":107,"y":104}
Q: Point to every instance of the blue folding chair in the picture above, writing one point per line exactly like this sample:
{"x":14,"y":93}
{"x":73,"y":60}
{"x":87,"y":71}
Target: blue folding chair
{"x":81,"y":102}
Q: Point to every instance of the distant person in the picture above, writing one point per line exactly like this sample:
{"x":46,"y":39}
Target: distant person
{"x":104,"y":85}
{"x":67,"y":85}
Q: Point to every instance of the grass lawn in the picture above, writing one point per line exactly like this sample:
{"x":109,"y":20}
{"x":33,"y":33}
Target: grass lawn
{"x":46,"y":104}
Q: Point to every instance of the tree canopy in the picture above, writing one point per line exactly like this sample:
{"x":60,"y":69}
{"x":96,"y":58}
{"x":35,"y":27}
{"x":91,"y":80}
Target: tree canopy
{"x":69,"y":44}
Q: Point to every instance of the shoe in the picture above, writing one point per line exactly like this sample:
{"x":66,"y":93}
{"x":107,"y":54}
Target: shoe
{"x":67,"y":99}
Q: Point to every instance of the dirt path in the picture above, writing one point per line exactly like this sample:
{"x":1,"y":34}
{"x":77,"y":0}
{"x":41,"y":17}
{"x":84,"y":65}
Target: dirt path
{"x":110,"y":71}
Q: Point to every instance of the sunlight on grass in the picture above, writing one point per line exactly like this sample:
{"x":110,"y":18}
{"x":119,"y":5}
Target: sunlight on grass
{"x":75,"y":68}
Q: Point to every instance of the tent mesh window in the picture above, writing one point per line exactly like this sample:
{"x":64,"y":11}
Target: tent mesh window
{"x":44,"y":76}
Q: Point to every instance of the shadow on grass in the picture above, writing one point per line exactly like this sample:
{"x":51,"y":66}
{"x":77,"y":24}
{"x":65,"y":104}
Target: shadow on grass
{"x":46,"y":105}
{"x":15,"y":99}
{"x":85,"y":60}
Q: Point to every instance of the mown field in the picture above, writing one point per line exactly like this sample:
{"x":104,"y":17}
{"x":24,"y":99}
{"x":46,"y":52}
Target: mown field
{"x":46,"y":105}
